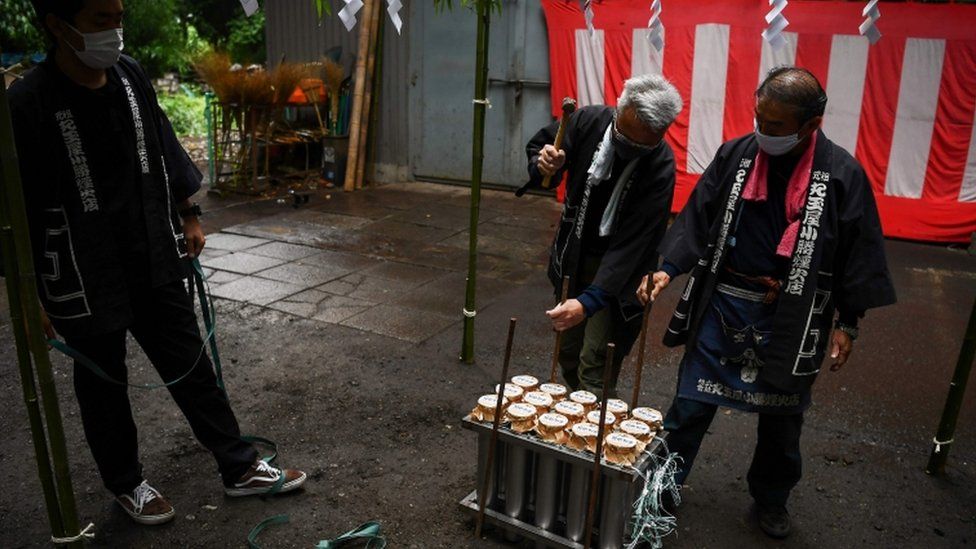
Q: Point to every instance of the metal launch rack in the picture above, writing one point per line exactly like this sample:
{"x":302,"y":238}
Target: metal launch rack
{"x":539,"y":491}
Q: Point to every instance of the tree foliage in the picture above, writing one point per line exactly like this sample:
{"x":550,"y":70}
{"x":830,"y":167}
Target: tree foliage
{"x":163,"y":35}
{"x":18,"y":34}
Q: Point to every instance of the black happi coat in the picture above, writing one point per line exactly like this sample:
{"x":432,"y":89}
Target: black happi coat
{"x":642,"y":216}
{"x":839,"y":260}
{"x":81,"y":279}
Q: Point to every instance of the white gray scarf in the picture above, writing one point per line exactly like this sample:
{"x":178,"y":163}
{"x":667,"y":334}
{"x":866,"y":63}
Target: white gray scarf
{"x":600,"y":169}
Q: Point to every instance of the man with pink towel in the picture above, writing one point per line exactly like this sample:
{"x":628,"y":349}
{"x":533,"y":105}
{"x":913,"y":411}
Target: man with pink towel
{"x":783,"y":244}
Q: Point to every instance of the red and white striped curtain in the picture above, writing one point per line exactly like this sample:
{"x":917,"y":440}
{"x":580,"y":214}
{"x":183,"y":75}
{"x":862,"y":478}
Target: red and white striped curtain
{"x":904,"y":107}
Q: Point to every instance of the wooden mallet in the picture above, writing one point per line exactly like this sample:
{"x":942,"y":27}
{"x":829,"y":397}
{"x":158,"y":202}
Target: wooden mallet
{"x":559,"y":335}
{"x":490,"y":461}
{"x":569,"y":106}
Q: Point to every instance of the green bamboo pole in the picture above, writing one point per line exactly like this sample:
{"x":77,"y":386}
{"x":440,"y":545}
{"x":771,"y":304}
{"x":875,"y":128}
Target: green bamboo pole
{"x":38,"y":436}
{"x":957,"y":389}
{"x":13,"y":195}
{"x":483,"y":7}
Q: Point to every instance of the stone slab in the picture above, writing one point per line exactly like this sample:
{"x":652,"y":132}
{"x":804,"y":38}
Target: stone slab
{"x":401,"y":322}
{"x":233,"y":242}
{"x":322,"y":306}
{"x":306,"y":276}
{"x":284,"y":250}
{"x":259,"y":291}
{"x":242,"y":263}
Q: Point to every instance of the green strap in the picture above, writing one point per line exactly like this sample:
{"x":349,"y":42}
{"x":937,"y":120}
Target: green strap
{"x":209,"y":321}
{"x":370,"y":532}
{"x":252,"y":537}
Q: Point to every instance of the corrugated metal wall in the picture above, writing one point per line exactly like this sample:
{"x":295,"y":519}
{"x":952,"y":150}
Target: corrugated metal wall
{"x":293,"y":30}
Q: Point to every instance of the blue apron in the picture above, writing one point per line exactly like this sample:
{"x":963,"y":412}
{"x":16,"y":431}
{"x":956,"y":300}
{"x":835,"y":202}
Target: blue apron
{"x":723,"y":368}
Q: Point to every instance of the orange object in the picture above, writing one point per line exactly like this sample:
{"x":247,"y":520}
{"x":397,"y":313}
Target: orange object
{"x":308,"y":87}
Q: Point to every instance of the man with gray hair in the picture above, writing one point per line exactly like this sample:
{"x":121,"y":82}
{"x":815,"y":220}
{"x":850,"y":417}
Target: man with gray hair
{"x":618,"y":198}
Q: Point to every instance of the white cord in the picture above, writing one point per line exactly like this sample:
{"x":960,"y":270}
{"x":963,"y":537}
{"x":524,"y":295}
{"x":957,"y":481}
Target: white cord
{"x":87,"y":533}
{"x":468,"y":314}
{"x":940,"y":443}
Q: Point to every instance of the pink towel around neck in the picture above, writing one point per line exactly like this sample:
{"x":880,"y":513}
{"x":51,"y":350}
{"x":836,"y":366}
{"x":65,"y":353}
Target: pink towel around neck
{"x":796,"y":192}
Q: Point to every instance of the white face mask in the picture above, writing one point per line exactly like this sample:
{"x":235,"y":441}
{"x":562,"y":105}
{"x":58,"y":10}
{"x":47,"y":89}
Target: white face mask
{"x":102,"y":49}
{"x":777,"y":145}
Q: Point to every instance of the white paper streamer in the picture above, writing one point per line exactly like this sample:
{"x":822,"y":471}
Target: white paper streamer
{"x":775,"y":24}
{"x":587,"y":6}
{"x":393,"y":8}
{"x":348,"y":13}
{"x":656,"y":36}
{"x":869,"y":28}
{"x":250,"y":6}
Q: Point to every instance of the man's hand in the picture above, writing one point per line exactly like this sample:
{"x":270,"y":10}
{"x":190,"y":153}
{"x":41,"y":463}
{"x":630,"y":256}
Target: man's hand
{"x":550,"y":160}
{"x":46,"y":325}
{"x":193,"y":232}
{"x":567,"y":315}
{"x":841,"y":346}
{"x":651,"y":286}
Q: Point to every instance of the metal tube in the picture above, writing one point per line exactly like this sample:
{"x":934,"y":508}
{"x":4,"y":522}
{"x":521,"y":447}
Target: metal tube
{"x":491,"y":493}
{"x":957,"y":389}
{"x":495,"y":424}
{"x":579,"y":481}
{"x":516,"y":484}
{"x":615,"y":515}
{"x":546,"y":492}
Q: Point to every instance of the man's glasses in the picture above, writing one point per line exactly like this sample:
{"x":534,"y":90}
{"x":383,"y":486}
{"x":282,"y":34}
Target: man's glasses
{"x":630,"y":142}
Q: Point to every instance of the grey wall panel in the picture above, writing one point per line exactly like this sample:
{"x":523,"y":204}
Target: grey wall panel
{"x":428,"y":76}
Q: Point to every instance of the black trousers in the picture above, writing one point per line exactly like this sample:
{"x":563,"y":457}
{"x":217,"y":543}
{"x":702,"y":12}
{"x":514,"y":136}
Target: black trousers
{"x":776,"y":463}
{"x":166,"y":328}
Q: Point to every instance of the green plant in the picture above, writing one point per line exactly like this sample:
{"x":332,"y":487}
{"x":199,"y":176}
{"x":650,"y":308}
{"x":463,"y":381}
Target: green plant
{"x":185,"y":110}
{"x":18,"y":33}
{"x":245,"y":41}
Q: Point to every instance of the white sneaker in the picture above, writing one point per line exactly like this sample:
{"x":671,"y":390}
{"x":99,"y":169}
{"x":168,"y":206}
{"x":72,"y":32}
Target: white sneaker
{"x":146,"y":505}
{"x":263,"y":478}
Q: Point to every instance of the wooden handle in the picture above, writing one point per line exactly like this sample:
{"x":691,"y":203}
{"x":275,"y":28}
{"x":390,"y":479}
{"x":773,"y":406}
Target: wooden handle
{"x":559,"y":335}
{"x":601,"y":430}
{"x":483,"y":489}
{"x":640,"y":356}
{"x":558,"y":143}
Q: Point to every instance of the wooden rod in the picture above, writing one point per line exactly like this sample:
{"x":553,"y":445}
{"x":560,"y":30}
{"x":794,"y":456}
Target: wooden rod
{"x":564,"y":295}
{"x":359,"y":86}
{"x":638,"y":374}
{"x":364,"y":127}
{"x":601,"y":430}
{"x":489,"y":463}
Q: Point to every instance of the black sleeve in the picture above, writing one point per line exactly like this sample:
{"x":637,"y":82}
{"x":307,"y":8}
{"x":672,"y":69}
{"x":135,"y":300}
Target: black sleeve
{"x":640,"y":230}
{"x":687,"y":240}
{"x":861,"y":277}
{"x":184,"y":177}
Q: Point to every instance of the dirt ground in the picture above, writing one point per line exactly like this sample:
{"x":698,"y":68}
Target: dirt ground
{"x":375,"y":420}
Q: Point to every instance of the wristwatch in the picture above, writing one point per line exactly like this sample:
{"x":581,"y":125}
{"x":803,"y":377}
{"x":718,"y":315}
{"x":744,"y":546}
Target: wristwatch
{"x":851,"y":331}
{"x":192,"y":211}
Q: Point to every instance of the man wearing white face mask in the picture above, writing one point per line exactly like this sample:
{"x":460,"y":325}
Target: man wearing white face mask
{"x":619,"y":188}
{"x":780,"y":233}
{"x":107,"y":188}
